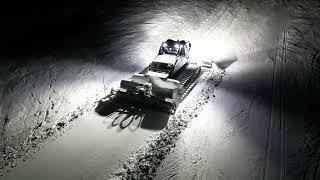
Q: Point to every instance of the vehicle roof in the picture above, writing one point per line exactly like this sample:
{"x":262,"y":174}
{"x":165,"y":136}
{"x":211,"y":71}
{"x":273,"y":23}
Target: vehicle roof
{"x":166,"y":58}
{"x":170,"y":41}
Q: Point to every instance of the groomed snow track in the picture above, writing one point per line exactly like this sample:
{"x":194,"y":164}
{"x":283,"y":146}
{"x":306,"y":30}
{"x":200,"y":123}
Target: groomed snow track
{"x":143,"y":163}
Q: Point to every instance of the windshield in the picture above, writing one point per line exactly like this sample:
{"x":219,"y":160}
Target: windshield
{"x":160,"y":67}
{"x":169,"y":47}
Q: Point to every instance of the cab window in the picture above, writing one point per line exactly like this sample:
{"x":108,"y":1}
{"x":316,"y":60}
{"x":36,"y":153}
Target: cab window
{"x":186,"y":51}
{"x":182,"y":51}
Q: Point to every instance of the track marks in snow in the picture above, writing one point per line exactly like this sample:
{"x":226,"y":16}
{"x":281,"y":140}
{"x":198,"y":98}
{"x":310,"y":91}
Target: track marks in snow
{"x":40,"y":109}
{"x":304,"y":47}
{"x":276,"y":152}
{"x":282,"y":109}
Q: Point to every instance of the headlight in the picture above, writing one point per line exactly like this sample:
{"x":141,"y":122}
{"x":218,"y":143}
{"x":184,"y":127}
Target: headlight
{"x":176,"y":46}
{"x":164,"y":45}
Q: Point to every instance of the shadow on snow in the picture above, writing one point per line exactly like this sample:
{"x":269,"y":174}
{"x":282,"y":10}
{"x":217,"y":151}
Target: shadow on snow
{"x":132,"y":116}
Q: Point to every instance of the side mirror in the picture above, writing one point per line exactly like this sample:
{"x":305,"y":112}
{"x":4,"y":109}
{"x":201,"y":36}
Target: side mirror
{"x":189,"y":44}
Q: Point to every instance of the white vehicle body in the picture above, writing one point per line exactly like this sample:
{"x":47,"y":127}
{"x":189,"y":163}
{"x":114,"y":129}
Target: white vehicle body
{"x":156,"y":85}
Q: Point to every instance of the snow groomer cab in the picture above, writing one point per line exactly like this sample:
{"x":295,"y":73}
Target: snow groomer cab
{"x":177,"y":52}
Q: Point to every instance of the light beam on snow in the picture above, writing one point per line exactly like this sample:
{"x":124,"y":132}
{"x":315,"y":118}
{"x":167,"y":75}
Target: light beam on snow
{"x":211,"y":47}
{"x":207,"y":44}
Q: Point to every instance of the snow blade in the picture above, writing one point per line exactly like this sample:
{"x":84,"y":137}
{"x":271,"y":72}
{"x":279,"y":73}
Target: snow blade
{"x":167,"y":105}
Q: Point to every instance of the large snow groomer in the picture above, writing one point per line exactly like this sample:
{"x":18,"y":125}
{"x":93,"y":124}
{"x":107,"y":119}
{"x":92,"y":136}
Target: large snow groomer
{"x":162,"y":83}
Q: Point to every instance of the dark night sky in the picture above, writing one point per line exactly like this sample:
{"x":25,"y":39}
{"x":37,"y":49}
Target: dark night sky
{"x":28,"y":28}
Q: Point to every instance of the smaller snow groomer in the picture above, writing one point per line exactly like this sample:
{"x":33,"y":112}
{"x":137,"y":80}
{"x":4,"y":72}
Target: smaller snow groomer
{"x":162,"y":83}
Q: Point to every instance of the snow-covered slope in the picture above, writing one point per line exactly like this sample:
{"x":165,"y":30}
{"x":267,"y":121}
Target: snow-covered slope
{"x":261,"y":124}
